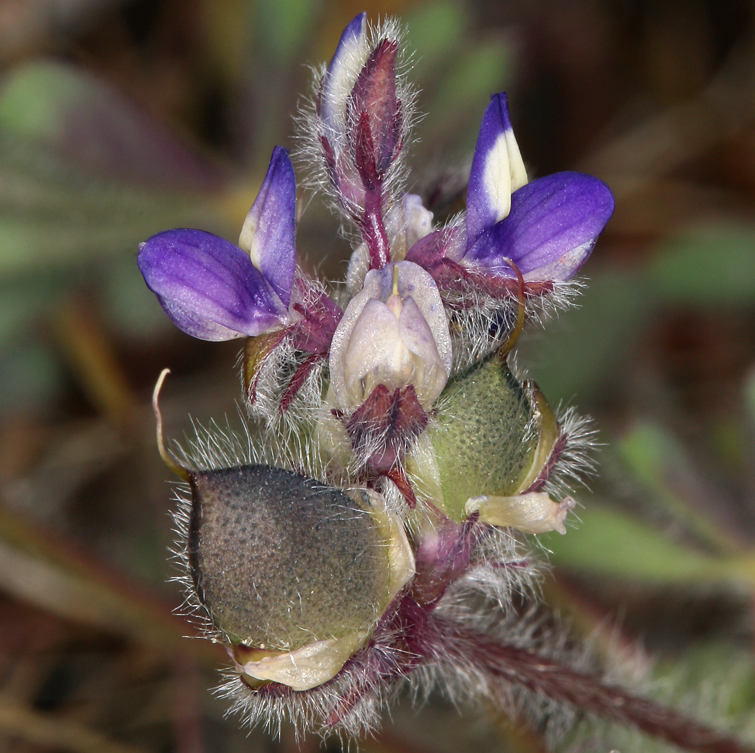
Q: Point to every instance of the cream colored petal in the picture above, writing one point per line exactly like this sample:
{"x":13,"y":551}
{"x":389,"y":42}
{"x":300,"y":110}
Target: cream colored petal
{"x":548,"y":430}
{"x":430,"y":376}
{"x":375,"y":354}
{"x":534,"y":512}
{"x":308,"y":666}
{"x":400,"y":554}
{"x":417,"y":284}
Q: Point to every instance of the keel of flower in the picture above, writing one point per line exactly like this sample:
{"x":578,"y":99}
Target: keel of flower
{"x":393,"y":333}
{"x":390,"y":359}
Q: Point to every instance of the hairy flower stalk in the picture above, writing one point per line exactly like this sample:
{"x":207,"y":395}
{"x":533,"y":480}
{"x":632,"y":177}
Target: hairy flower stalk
{"x":371,"y":528}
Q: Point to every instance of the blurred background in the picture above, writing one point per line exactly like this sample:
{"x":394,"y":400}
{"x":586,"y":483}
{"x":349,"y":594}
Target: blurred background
{"x":122,"y":118}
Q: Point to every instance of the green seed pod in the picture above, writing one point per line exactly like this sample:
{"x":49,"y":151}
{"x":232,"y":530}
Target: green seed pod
{"x":293,"y":573}
{"x":490,"y":441}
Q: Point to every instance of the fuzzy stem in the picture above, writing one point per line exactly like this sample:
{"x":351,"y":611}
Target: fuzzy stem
{"x":583,"y":691}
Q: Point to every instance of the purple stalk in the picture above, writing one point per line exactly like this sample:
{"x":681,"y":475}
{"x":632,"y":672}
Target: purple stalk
{"x":581,"y":690}
{"x":373,"y":230}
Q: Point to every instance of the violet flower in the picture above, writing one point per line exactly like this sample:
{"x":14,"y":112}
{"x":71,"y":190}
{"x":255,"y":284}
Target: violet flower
{"x":214,"y":290}
{"x":546,"y":229}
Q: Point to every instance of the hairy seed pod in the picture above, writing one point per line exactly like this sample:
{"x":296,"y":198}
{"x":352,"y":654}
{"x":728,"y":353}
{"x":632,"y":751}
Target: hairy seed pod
{"x":293,"y":573}
{"x":492,"y":437}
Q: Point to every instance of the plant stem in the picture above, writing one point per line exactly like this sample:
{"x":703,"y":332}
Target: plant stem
{"x":581,"y":690}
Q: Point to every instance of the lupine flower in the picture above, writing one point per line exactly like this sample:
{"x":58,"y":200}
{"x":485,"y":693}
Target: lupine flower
{"x":359,"y":129}
{"x":394,"y":332}
{"x":381,"y":536}
{"x":545,"y":229}
{"x":390,"y":358}
{"x":214,"y":290}
{"x":405,"y":222}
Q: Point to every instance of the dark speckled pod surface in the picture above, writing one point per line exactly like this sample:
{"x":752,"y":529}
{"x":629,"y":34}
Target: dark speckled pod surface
{"x":484,"y":436}
{"x":281,"y":560}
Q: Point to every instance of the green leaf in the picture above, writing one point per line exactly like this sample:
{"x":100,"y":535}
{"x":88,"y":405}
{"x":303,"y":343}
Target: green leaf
{"x":435,"y":33}
{"x":31,"y":377}
{"x":750,"y":395}
{"x":81,"y":117}
{"x":611,"y":543}
{"x":661,"y":465}
{"x":710,"y":266}
{"x":462,"y":95}
{"x":579,"y":352}
{"x":283,"y":26}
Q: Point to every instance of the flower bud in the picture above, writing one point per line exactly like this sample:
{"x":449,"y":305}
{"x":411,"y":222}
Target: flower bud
{"x":376,"y":112}
{"x":393,"y":333}
{"x":294,"y":574}
{"x":361,"y":123}
{"x":492,"y":439}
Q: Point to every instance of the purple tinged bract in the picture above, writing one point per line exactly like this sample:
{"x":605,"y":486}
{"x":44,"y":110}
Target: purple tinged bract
{"x":214,"y":290}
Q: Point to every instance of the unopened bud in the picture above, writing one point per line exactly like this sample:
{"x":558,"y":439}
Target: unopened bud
{"x":393,"y":333}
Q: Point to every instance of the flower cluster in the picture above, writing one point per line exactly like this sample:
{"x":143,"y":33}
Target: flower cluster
{"x":372,"y":529}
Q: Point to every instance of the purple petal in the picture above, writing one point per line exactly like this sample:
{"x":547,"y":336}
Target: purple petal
{"x":497,"y":169}
{"x":269,"y":230}
{"x":550,"y":231}
{"x":207,"y":286}
{"x":342,"y":67}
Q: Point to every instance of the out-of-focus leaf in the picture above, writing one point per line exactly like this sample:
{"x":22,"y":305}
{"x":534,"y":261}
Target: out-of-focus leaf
{"x":581,"y":349}
{"x":610,"y":543}
{"x":659,"y":462}
{"x":463,"y":94}
{"x":20,"y":304}
{"x":435,"y":33}
{"x":283,"y":25}
{"x":75,"y":114}
{"x":53,"y":214}
{"x":131,"y":308}
{"x":716,"y":665}
{"x":750,"y":394}
{"x":43,"y":571}
{"x":33,"y":728}
{"x":30,"y":377}
{"x":710,"y":266}
{"x":226,"y":29}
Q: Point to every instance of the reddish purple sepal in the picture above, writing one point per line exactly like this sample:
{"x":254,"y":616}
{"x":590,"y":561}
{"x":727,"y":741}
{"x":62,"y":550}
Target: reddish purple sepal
{"x":550,"y":231}
{"x":208,"y":286}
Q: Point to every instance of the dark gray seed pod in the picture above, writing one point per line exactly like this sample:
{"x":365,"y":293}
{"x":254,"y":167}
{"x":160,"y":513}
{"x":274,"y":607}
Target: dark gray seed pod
{"x":280,"y":560}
